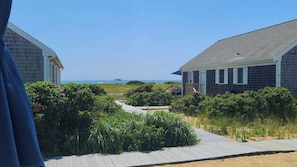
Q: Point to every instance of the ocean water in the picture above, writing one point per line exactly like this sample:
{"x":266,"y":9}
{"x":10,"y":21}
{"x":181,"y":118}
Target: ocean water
{"x":116,"y":81}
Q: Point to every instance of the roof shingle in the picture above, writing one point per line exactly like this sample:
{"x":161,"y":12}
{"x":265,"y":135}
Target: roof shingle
{"x":262,"y":44}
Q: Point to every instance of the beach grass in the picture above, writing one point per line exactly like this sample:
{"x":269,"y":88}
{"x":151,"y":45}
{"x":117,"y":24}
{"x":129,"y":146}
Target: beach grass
{"x":270,"y":129}
{"x":118,"y":91}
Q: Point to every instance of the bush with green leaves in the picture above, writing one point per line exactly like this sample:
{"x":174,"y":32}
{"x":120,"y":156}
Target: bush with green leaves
{"x":63,"y":115}
{"x":177,"y":132}
{"x":280,"y":103}
{"x":154,"y":98}
{"x":269,"y":102}
{"x":144,"y":95}
{"x":135,"y":83}
{"x":96,"y":89}
{"x":140,"y":89}
{"x":72,"y":120}
{"x":189,"y":105}
{"x":133,"y":132}
{"x":46,"y":99}
{"x":106,"y":104}
{"x":241,"y":106}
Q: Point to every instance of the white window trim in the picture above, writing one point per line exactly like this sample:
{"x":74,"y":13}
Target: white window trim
{"x":217,"y":80}
{"x":190,"y":77}
{"x":245,"y":76}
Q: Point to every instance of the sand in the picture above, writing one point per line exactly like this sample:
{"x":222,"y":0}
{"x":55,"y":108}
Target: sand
{"x":268,"y":160}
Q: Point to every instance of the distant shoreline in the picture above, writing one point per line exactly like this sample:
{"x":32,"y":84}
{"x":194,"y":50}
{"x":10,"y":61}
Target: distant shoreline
{"x":115,"y":81}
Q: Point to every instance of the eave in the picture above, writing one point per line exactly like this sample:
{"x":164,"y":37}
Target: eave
{"x":245,"y":63}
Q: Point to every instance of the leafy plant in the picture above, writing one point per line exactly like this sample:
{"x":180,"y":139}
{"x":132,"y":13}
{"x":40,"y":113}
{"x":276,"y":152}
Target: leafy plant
{"x":280,"y":103}
{"x":63,"y":115}
{"x":264,"y":112}
{"x":133,"y":132}
{"x":135,"y":83}
{"x":189,"y":105}
{"x":146,"y":96}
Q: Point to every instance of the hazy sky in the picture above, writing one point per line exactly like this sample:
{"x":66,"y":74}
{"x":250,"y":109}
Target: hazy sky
{"x":139,"y":39}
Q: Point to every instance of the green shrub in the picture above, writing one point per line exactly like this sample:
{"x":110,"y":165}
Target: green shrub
{"x":177,"y":131}
{"x":135,"y":83}
{"x":171,"y":82}
{"x":154,"y":98}
{"x":47,"y":101}
{"x":106,"y":104}
{"x":63,"y":115}
{"x":72,"y":120}
{"x":96,"y":89}
{"x":133,"y":132}
{"x":140,"y":89}
{"x":246,"y":107}
{"x":144,"y":95}
{"x":280,"y":103}
{"x":80,"y":97}
{"x":189,"y":105}
{"x":241,"y":106}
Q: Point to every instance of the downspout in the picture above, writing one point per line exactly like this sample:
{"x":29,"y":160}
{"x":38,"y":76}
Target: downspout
{"x":278,"y":71}
{"x":182,"y":79}
{"x":45,"y":66}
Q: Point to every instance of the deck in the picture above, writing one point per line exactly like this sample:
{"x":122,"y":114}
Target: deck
{"x":211,"y":147}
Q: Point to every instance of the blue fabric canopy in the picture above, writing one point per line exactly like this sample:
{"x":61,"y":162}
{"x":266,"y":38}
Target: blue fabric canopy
{"x":177,"y":72}
{"x":18,"y":141}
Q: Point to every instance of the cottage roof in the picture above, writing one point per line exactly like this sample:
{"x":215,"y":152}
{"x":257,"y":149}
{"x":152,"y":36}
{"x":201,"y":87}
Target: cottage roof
{"x":45,"y":49}
{"x":258,"y":45}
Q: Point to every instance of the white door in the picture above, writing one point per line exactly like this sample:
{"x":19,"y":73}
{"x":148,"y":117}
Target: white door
{"x":202,"y":82}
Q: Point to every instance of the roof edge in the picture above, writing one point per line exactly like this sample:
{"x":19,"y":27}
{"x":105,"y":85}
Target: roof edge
{"x":259,"y":29}
{"x":257,"y":62}
{"x":45,"y":49}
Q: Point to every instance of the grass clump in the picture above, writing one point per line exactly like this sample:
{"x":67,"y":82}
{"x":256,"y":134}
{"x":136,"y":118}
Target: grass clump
{"x":133,"y":132}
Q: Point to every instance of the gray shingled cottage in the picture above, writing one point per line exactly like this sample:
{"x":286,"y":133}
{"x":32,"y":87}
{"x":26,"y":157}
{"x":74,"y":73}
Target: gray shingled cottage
{"x":250,"y":61}
{"x":35,"y":61}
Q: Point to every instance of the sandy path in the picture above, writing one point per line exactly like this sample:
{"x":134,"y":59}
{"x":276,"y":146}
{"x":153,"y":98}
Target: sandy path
{"x":268,"y":160}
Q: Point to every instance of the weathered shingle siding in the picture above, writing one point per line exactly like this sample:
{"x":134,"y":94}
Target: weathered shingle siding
{"x":185,"y":80}
{"x":213,"y":89}
{"x":289,"y":72}
{"x":261,"y":76}
{"x":258,"y":77}
{"x":27,"y":56}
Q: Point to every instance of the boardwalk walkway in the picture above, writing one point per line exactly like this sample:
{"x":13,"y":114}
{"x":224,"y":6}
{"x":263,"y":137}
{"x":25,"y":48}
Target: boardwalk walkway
{"x":211,"y":146}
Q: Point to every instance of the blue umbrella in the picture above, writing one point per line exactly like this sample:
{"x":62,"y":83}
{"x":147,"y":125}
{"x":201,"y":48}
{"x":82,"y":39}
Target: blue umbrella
{"x":18,"y":140}
{"x":177,"y":72}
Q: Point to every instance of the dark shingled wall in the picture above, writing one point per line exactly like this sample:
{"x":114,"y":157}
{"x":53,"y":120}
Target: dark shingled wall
{"x":258,"y":77}
{"x":27,"y":56}
{"x":289,"y":71}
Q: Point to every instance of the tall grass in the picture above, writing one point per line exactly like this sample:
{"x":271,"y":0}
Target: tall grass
{"x":270,"y":128}
{"x":118,"y":91}
{"x":132,"y":132}
{"x":177,"y":131}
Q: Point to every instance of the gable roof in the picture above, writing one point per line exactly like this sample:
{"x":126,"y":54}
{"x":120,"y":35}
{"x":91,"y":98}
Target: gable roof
{"x":45,"y":49}
{"x":260,"y":45}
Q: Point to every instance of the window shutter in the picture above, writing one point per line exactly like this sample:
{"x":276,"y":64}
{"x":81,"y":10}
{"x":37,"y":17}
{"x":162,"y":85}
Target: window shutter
{"x":245,"y":75}
{"x":217,"y":75}
{"x":226,"y":76}
{"x":234,"y":75}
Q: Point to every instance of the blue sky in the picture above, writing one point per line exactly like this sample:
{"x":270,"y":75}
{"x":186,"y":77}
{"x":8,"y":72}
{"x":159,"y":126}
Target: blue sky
{"x":139,"y":39}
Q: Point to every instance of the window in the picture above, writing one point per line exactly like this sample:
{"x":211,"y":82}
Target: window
{"x":221,"y":76}
{"x":190,"y":77}
{"x":240,"y":75}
